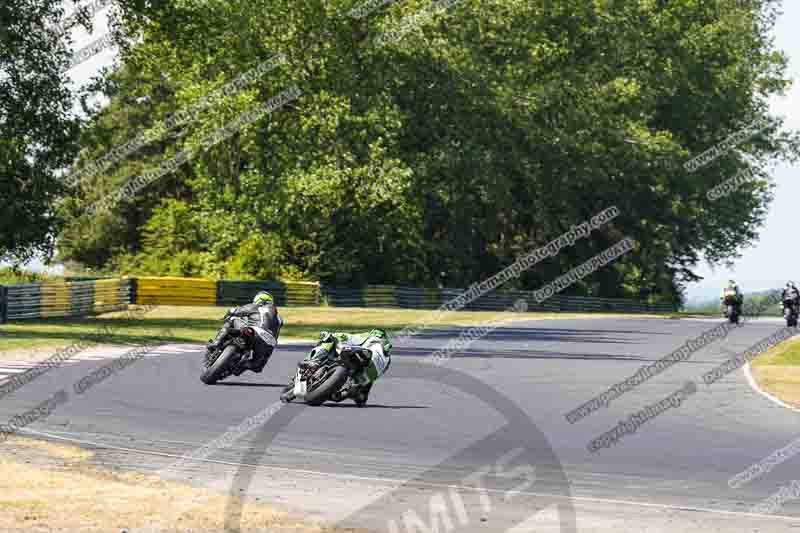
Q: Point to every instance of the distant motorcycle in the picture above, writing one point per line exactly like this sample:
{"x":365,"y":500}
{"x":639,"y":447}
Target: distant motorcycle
{"x":237,"y":348}
{"x":733,"y":309}
{"x":324,"y":373}
{"x":791,"y":311}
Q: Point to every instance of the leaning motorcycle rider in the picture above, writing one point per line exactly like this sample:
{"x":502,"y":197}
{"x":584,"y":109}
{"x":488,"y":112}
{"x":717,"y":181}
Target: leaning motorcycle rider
{"x":791,"y":294}
{"x":372,"y":347}
{"x":261,"y":315}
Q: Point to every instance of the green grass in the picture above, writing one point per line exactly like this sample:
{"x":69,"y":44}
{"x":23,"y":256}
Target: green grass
{"x":198,"y":324}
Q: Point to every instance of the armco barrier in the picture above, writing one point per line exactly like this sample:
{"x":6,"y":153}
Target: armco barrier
{"x":63,"y":299}
{"x":426,"y":298}
{"x":110,"y":294}
{"x":291,"y":293}
{"x":3,"y":304}
{"x":176,"y":291}
{"x":79,"y":298}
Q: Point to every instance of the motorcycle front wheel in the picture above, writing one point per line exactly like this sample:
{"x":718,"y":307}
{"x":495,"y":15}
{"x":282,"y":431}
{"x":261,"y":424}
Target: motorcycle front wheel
{"x":219,"y":368}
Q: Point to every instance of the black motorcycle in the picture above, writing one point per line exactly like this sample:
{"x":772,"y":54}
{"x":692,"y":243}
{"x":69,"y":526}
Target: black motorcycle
{"x":790,"y":311}
{"x":325,"y":374}
{"x":236,"y":349}
{"x":733,"y":309}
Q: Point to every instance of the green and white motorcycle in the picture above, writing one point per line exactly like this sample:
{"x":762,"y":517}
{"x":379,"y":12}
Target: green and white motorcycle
{"x":325,"y":372}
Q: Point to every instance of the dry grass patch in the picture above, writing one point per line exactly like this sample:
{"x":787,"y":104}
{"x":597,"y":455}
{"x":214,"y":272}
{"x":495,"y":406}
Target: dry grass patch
{"x":19,"y":445}
{"x":71,"y":496}
{"x":778,"y":371}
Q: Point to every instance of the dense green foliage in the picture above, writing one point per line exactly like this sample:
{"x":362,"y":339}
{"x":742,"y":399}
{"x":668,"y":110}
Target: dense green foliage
{"x":11,"y":276}
{"x":37,"y":132}
{"x":437,"y":158}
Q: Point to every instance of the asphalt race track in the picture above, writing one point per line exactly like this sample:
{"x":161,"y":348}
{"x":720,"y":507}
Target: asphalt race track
{"x":479,"y":443}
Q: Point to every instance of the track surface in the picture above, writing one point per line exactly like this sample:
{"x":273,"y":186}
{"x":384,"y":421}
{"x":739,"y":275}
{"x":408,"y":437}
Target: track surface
{"x":329,"y":462}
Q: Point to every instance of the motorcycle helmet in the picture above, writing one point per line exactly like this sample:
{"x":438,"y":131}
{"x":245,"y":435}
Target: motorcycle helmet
{"x":263,"y":297}
{"x":377,"y":332}
{"x":381,"y":334}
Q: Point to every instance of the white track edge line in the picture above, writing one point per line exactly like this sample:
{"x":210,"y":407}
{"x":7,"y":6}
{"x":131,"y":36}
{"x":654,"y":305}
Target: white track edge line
{"x":754,"y":385}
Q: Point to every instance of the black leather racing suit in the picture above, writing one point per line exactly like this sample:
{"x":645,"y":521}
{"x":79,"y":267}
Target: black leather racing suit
{"x":266,"y":322}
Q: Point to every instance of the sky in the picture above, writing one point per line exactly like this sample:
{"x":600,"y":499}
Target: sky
{"x":83,"y":72}
{"x":770,"y":263}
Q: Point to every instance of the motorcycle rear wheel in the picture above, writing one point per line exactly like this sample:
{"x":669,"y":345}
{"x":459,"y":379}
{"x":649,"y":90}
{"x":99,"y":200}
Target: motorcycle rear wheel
{"x":732,"y":314}
{"x":219,"y":369}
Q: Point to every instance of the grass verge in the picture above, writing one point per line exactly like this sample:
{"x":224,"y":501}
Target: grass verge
{"x":53,"y":488}
{"x":778,"y":371}
{"x":198,"y":324}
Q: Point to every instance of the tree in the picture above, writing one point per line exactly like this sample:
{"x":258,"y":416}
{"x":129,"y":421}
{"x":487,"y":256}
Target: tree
{"x":38,"y":135}
{"x":440,"y":156}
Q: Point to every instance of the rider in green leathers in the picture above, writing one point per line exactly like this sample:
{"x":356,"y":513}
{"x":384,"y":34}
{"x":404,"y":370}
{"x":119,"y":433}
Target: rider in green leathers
{"x":376,"y":350}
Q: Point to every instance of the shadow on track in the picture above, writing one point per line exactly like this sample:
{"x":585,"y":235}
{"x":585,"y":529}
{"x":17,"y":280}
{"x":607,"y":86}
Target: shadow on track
{"x":246,"y":384}
{"x":543,"y":335}
{"x":375,"y":405}
{"x":516,"y":354}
